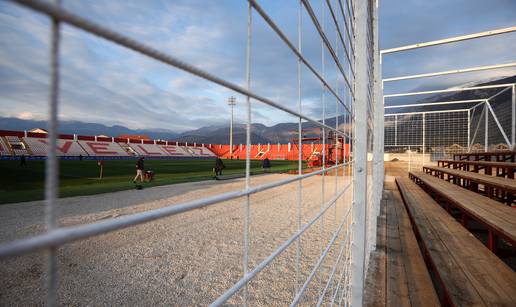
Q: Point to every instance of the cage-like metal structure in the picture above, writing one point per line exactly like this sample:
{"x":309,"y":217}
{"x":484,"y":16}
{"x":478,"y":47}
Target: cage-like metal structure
{"x":423,"y":132}
{"x":357,"y":94}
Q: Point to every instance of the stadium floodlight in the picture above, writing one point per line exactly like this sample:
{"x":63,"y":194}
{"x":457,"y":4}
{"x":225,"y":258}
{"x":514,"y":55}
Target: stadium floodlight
{"x":231,"y":103}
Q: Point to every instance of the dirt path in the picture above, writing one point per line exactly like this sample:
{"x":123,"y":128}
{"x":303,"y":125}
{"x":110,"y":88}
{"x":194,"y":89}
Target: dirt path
{"x":186,"y":259}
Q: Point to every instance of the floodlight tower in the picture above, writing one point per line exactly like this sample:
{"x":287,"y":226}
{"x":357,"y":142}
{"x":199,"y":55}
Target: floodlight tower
{"x":231,"y":103}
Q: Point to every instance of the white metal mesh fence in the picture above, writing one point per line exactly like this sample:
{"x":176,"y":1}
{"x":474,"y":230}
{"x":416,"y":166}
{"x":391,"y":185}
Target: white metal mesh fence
{"x":341,"y":264}
{"x":419,"y":138}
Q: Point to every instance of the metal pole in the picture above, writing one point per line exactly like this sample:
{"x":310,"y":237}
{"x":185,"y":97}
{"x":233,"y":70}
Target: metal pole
{"x":450,"y":40}
{"x":450,"y":72}
{"x":469,"y":130}
{"x":300,"y":149}
{"x":360,"y":139}
{"x":424,"y":139}
{"x":247,"y":151}
{"x":231,"y":103}
{"x":486,"y":132}
{"x":513,"y":132}
{"x":323,"y":176}
{"x":52,"y":163}
{"x":395,"y":130}
{"x":498,"y":124}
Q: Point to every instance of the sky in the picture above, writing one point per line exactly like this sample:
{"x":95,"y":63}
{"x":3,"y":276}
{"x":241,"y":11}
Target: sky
{"x":102,"y":82}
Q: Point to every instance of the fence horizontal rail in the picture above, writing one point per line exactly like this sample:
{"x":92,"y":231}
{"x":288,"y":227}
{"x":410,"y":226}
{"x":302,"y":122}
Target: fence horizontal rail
{"x":244,"y":280}
{"x":60,"y":236}
{"x":123,"y":40}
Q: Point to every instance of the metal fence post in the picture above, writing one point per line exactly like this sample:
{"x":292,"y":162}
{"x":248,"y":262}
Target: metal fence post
{"x":513,"y":117}
{"x":469,"y":129}
{"x":486,"y":127}
{"x":424,"y":139}
{"x":360,"y":154}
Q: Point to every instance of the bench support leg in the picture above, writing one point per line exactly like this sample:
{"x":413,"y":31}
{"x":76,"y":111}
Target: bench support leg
{"x":492,"y":241}
{"x":465,"y":220}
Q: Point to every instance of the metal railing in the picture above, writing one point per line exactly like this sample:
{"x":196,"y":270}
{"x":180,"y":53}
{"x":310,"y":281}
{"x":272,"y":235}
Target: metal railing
{"x":357,"y":65}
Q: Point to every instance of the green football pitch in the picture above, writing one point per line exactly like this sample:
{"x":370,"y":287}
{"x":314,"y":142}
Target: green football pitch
{"x":26,"y":183}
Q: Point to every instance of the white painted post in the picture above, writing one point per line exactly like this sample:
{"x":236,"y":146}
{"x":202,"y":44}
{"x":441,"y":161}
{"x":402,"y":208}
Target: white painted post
{"x":424,"y":139}
{"x":486,"y":132}
{"x":513,"y":132}
{"x":360,"y":154}
{"x":469,"y":129}
{"x":395,"y":130}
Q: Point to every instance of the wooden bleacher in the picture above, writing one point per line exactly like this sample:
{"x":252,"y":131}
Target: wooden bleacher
{"x":499,"y":169}
{"x":499,"y":188}
{"x":499,"y":220}
{"x":401,"y":278}
{"x":499,"y":156}
{"x":470,"y":274}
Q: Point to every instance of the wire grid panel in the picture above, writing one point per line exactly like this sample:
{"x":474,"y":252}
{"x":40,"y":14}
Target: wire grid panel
{"x":335,"y":288}
{"x":426,"y":136}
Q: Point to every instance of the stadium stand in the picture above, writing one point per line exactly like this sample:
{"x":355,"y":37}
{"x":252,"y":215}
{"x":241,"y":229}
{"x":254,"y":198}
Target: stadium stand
{"x":149,"y":150}
{"x":105,"y":149}
{"x":17,"y":145}
{"x":128,"y":149}
{"x":39,"y":147}
{"x":200,"y":152}
{"x":4,"y":149}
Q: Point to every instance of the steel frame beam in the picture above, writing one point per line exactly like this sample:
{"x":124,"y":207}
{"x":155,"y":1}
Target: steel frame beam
{"x":498,"y":123}
{"x":434,"y":103}
{"x":427,"y":112}
{"x":449,"y":90}
{"x":450,"y":40}
{"x":450,"y":72}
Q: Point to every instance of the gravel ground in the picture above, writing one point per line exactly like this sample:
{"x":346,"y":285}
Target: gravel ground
{"x":183,"y":260}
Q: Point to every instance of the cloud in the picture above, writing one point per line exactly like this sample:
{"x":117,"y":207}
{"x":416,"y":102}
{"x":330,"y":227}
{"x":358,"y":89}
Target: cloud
{"x":105,"y":83}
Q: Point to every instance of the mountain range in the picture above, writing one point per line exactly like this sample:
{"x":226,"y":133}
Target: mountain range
{"x":219,"y":134}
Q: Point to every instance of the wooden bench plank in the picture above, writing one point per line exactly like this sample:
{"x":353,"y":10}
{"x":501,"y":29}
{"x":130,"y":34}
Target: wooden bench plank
{"x":505,"y":155}
{"x":504,"y":183}
{"x":493,"y":214}
{"x":500,"y":188}
{"x":376,"y":283}
{"x":420,"y":287}
{"x":403,"y":278}
{"x":470,"y":273}
{"x":397,"y":281}
{"x":508,"y":168}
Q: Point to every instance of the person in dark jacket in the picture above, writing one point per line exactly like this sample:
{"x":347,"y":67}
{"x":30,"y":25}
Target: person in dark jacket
{"x":23,"y":161}
{"x":266,"y":165}
{"x":139,"y":170}
{"x":219,"y":166}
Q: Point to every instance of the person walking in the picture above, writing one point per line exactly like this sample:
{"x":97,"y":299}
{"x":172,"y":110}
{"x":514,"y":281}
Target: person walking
{"x":219,"y":166}
{"x":23,"y":161}
{"x":139,"y":170}
{"x":266,"y":165}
